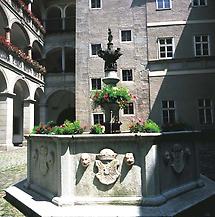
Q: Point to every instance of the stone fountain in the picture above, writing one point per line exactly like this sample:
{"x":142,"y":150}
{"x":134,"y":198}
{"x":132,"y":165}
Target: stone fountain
{"x":143,"y":174}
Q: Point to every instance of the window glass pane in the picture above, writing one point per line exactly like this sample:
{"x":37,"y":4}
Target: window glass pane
{"x":165,"y":116}
{"x":207,"y":102}
{"x":201,"y":116}
{"x":208,"y":116}
{"x":164,"y":104}
{"x":205,"y":49}
{"x":171,"y":116}
{"x":169,"y":48}
{"x":195,"y":2}
{"x":169,"y":54}
{"x":167,"y":3}
{"x":169,"y":41}
{"x":126,"y":35}
{"x":171,"y":104}
{"x":98,"y":118}
{"x":96,"y":84}
{"x":202,"y":2}
{"x":162,"y":49}
{"x":95,"y":48}
{"x":95,"y":3}
{"x":204,"y":38}
{"x":160,"y":3}
{"x":197,"y":38}
{"x":201,"y":102}
{"x":127,"y":75}
{"x":162,"y":41}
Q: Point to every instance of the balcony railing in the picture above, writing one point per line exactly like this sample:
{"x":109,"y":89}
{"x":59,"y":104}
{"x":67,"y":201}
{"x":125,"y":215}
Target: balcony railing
{"x":21,"y":8}
{"x":18,"y":59}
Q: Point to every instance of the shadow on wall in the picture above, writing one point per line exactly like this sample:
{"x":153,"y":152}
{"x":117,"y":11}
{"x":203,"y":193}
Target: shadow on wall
{"x":187,"y":78}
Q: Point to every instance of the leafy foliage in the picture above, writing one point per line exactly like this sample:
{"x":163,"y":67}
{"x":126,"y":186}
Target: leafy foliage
{"x":51,"y":128}
{"x":110,"y":94}
{"x":148,"y":126}
{"x":97,"y":129}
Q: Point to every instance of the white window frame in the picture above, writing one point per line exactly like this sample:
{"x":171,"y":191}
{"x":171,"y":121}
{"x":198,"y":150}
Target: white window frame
{"x":122,"y":30}
{"x":201,"y":43}
{"x":129,"y":114}
{"x":204,"y":107}
{"x":96,"y":113}
{"x":168,"y":109}
{"x":92,"y":55}
{"x":90,"y":5}
{"x":159,"y":45}
{"x":91,"y":86}
{"x":164,"y":8}
{"x":199,"y":5}
{"x":132,"y":71}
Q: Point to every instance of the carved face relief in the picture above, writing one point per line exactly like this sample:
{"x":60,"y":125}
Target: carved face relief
{"x":85,"y":159}
{"x":129,"y":159}
{"x":177,"y":157}
{"x":107,"y":167}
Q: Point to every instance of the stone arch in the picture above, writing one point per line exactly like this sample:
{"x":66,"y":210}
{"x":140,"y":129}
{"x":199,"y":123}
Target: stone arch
{"x":22,"y":92}
{"x":39,"y":94}
{"x":3,"y":82}
{"x":19,"y":37}
{"x":36,"y":51}
{"x":61,"y":106}
{"x":54,"y":60}
{"x":70,"y":13}
{"x":3,"y":21}
{"x":53,"y":19}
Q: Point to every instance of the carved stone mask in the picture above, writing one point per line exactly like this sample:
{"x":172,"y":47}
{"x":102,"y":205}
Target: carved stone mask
{"x":129,"y":159}
{"x":85,"y":159}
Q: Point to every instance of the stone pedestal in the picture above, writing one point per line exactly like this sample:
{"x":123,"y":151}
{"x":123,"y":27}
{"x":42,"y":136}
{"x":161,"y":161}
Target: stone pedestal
{"x":112,"y":124}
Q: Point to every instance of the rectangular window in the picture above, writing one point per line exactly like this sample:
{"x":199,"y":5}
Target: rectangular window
{"x":197,"y":3}
{"x":201,"y":44}
{"x":129,"y":109}
{"x":163,"y":4}
{"x":205,"y":111}
{"x":95,"y":48}
{"x":125,"y":35}
{"x":96,"y":84}
{"x":127,"y":75}
{"x":95,"y":4}
{"x":165,"y":48}
{"x":98,"y":118}
{"x":168,"y":110}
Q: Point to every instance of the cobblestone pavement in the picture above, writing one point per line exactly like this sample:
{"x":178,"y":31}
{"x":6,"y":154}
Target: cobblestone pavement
{"x":12,"y":170}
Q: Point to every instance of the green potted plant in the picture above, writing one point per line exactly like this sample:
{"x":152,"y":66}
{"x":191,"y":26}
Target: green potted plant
{"x":111,"y":99}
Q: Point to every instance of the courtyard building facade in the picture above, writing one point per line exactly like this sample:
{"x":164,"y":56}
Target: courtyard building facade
{"x":168,"y":61}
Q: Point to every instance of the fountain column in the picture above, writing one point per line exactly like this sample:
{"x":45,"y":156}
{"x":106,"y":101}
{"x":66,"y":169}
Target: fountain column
{"x":110,"y":56}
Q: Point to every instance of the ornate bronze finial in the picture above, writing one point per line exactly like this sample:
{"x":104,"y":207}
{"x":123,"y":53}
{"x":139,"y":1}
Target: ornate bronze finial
{"x":110,"y":36}
{"x":110,"y":56}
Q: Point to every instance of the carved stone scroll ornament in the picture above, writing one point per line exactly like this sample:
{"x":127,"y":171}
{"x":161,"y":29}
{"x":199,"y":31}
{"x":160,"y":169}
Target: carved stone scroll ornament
{"x":85,"y":159}
{"x":107,"y":167}
{"x":177,"y":157}
{"x":129,"y":159}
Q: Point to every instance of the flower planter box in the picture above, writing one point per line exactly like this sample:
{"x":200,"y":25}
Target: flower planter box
{"x":138,"y":169}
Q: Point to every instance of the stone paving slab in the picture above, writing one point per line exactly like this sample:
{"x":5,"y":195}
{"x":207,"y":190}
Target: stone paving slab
{"x":12,"y":158}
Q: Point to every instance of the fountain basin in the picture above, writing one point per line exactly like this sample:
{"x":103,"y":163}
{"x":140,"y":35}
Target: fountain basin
{"x":162,"y":166}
